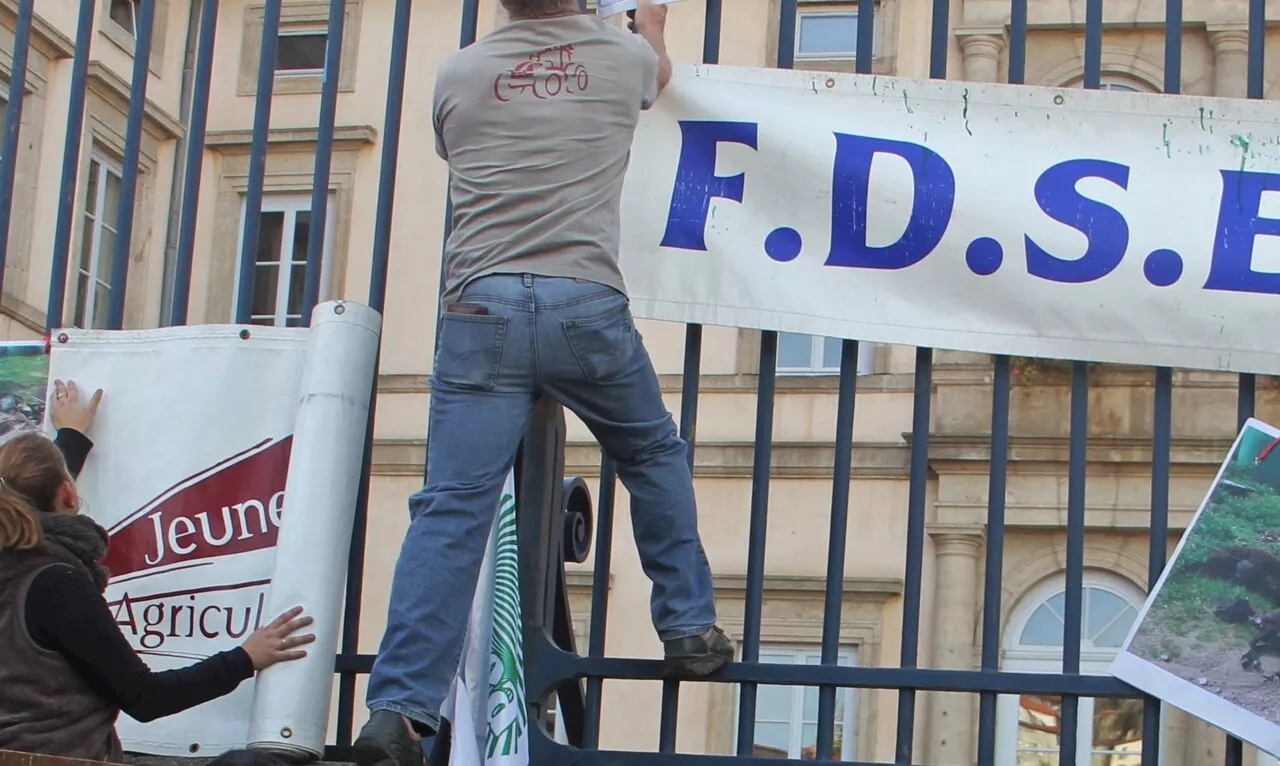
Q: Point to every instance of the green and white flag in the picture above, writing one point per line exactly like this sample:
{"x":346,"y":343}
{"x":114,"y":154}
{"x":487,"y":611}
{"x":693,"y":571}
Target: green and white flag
{"x":487,"y":709}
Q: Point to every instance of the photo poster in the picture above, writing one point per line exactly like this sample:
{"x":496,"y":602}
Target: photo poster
{"x":24,"y":378}
{"x":607,"y":8}
{"x":1208,"y":638}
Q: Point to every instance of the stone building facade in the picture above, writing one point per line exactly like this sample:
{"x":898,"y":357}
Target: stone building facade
{"x":1214,"y":62}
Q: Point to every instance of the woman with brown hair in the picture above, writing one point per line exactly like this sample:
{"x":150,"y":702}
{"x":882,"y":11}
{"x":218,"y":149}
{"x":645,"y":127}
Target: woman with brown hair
{"x":66,"y":669}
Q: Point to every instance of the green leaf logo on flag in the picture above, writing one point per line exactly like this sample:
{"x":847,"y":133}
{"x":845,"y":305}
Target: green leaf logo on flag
{"x":508,"y":717}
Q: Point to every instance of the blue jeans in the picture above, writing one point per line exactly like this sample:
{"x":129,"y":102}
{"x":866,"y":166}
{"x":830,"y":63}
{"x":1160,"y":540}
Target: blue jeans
{"x":576,"y":342}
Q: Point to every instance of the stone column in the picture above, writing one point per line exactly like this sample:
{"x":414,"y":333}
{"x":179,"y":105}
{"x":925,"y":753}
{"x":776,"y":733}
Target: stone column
{"x":983,"y":47}
{"x":1230,"y":59}
{"x":1206,"y":744}
{"x":952,"y":717}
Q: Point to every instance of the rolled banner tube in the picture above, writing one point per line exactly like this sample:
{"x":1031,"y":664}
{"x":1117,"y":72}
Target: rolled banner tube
{"x":291,"y":700}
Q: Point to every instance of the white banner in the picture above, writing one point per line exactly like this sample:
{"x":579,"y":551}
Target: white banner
{"x":1105,"y":226}
{"x":486,"y":705}
{"x":188,"y":470}
{"x":193,"y":445}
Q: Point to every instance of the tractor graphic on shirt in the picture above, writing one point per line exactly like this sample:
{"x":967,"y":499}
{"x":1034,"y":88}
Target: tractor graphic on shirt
{"x":545,"y":74}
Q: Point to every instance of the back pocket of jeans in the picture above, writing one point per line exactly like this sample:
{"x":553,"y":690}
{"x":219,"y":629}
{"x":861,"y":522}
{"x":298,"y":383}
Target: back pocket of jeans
{"x":470,"y":352}
{"x":604,"y":344}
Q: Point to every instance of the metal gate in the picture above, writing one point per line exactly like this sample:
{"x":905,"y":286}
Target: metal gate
{"x":550,"y":534}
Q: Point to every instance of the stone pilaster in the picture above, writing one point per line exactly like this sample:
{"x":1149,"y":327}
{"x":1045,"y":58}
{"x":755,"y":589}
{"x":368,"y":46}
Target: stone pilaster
{"x":1230,"y":59}
{"x":983,"y":48}
{"x":952,"y":717}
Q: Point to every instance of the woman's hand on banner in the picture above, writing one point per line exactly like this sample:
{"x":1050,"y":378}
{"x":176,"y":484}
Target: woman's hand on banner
{"x":67,"y":411}
{"x":276,"y":642}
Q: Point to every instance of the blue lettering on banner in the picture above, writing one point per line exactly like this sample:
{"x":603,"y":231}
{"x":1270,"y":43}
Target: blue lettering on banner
{"x":934,"y":196}
{"x":933,"y":202}
{"x":697,"y":182}
{"x":1102,"y":225}
{"x":1231,"y":268}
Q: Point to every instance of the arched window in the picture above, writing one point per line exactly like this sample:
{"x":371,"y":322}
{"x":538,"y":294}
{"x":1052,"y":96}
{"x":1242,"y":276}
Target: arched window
{"x":1029,"y":726}
{"x":1117,"y":82}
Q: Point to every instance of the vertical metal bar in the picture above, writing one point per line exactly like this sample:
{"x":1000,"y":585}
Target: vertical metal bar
{"x":1161,"y":440}
{"x":761,"y":459}
{"x":939,"y":37}
{"x":600,"y":598}
{"x":1257,"y":47}
{"x":13,"y":123}
{"x":377,"y":301}
{"x":178,"y":178}
{"x":1172,"y":46}
{"x":70,"y":168}
{"x":1162,"y":420}
{"x":834,"y":599}
{"x":711,"y":33}
{"x":1093,"y":43}
{"x":917,"y":494}
{"x":258,"y":158}
{"x":787,"y":34}
{"x":324,"y":157}
{"x":993,"y":581}
{"x":132,"y":146}
{"x":195,"y":162}
{"x":1018,"y":42}
{"x":470,"y":23}
{"x":997,"y":481}
{"x":690,"y":382}
{"x":390,"y":155}
{"x":1246,"y":394}
{"x":1077,"y":468}
{"x":1076,"y":474}
{"x":667,"y":716}
{"x":754,"y":603}
{"x":1246,"y":398}
{"x":864,"y":52}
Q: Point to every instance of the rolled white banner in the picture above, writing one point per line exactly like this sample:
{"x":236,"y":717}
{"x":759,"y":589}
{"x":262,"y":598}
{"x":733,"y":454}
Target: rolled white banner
{"x":291,"y":702}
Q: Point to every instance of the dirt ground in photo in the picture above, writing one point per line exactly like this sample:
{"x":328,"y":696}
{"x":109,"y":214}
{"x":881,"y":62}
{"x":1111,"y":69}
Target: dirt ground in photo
{"x":1214,"y":667}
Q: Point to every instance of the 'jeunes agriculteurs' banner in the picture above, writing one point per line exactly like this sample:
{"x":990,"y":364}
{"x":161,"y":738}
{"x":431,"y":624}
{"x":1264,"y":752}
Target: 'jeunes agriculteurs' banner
{"x":1104,"y":226}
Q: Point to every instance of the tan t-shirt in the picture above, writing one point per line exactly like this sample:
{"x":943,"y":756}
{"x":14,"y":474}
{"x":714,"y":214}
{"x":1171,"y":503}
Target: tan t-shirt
{"x":536,"y":121}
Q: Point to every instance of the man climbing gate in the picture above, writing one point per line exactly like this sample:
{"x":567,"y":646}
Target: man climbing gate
{"x":536,"y":122}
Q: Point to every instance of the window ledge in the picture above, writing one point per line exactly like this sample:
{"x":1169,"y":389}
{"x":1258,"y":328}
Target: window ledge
{"x":223,"y":140}
{"x":22,"y":312}
{"x":875,"y":589}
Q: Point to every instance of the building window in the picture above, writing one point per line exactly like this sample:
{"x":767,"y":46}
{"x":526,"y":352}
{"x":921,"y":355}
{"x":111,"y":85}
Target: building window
{"x":826,"y":35}
{"x":787,"y":716}
{"x":97,"y":243}
{"x":125,"y":14}
{"x":301,"y":53}
{"x":280,"y":268}
{"x":1029,"y":726}
{"x":1118,"y":83}
{"x":800,"y":354}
